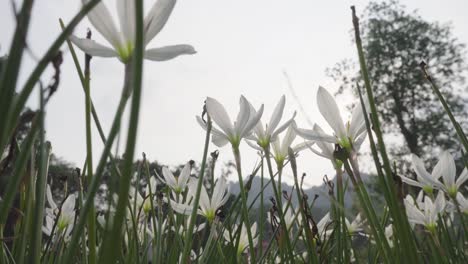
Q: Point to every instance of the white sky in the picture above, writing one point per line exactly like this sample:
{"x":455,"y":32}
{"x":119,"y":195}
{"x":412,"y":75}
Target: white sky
{"x":243,"y":47}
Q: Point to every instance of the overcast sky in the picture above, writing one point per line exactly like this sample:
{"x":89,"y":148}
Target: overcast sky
{"x":243,"y":47}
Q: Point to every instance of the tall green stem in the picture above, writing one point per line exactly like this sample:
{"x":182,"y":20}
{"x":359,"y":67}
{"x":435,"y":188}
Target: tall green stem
{"x":189,"y":231}
{"x":45,"y":151}
{"x":245,"y":212}
{"x":279,"y":201}
{"x":89,"y":161}
{"x":396,"y":209}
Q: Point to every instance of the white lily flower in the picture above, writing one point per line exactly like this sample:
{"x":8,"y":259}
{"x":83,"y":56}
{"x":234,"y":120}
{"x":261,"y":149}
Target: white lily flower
{"x":425,"y":180}
{"x":143,"y":202}
{"x":264,"y":135}
{"x":231,"y":132}
{"x":280,"y":147}
{"x":65,"y":221}
{"x":243,"y":239}
{"x":323,"y":225}
{"x":180,"y":183}
{"x":428,"y":213}
{"x":123,"y":40}
{"x":446,"y":168}
{"x":207,"y":206}
{"x":356,"y":226}
{"x":349,"y":135}
{"x":449,"y":172}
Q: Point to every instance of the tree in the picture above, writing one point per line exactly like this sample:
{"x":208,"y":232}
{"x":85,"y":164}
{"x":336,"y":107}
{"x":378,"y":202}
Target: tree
{"x":395,"y":42}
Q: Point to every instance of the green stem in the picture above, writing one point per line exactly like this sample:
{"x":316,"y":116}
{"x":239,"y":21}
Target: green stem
{"x":193,"y":216}
{"x":45,"y":151}
{"x":89,"y":162}
{"x":112,"y":240}
{"x":375,"y":226}
{"x":397,"y":210}
{"x":94,"y":185}
{"x":436,"y":90}
{"x":279,"y":201}
{"x":245,"y":212}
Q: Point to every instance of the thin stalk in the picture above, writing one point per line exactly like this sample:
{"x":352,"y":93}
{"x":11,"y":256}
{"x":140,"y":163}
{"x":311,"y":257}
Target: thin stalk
{"x":94,"y":185}
{"x":308,"y":232}
{"x":244,"y":209}
{"x":15,"y":179}
{"x":397,"y":210}
{"x":279,"y":201}
{"x":45,"y":151}
{"x":196,"y":201}
{"x":112,"y":240}
{"x":376,"y":229}
{"x":436,"y":90}
{"x":89,"y":159}
{"x":262,"y":209}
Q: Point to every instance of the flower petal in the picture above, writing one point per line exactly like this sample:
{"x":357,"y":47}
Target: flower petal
{"x":462,"y":178}
{"x":280,"y":129}
{"x":93,"y":48}
{"x":50,"y":199}
{"x":243,"y":116}
{"x":253,"y":145}
{"x":315,"y":135}
{"x":219,"y":115}
{"x":184,"y":175}
{"x":169,"y":178}
{"x":288,"y":139}
{"x":218,"y":137}
{"x":157,"y":18}
{"x":168,"y":52}
{"x":102,"y":20}
{"x":329,"y":110}
{"x":253,"y":120}
{"x":418,"y":167}
{"x":449,"y":169}
{"x":358,"y":122}
{"x":276,"y":116}
{"x":126,"y":12}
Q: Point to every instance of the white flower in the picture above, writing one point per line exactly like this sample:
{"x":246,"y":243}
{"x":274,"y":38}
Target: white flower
{"x":428,"y":213}
{"x":264,"y":135}
{"x":425,"y":181}
{"x":207,"y":206}
{"x":231,"y":132}
{"x":356,"y":226}
{"x":323,"y":225}
{"x":280,"y":147}
{"x":177,"y":184}
{"x":243,"y":239}
{"x":66,"y":215}
{"x":143,"y":202}
{"x":449,"y":172}
{"x":446,"y":168}
{"x":349,"y":135}
{"x":123,"y":40}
